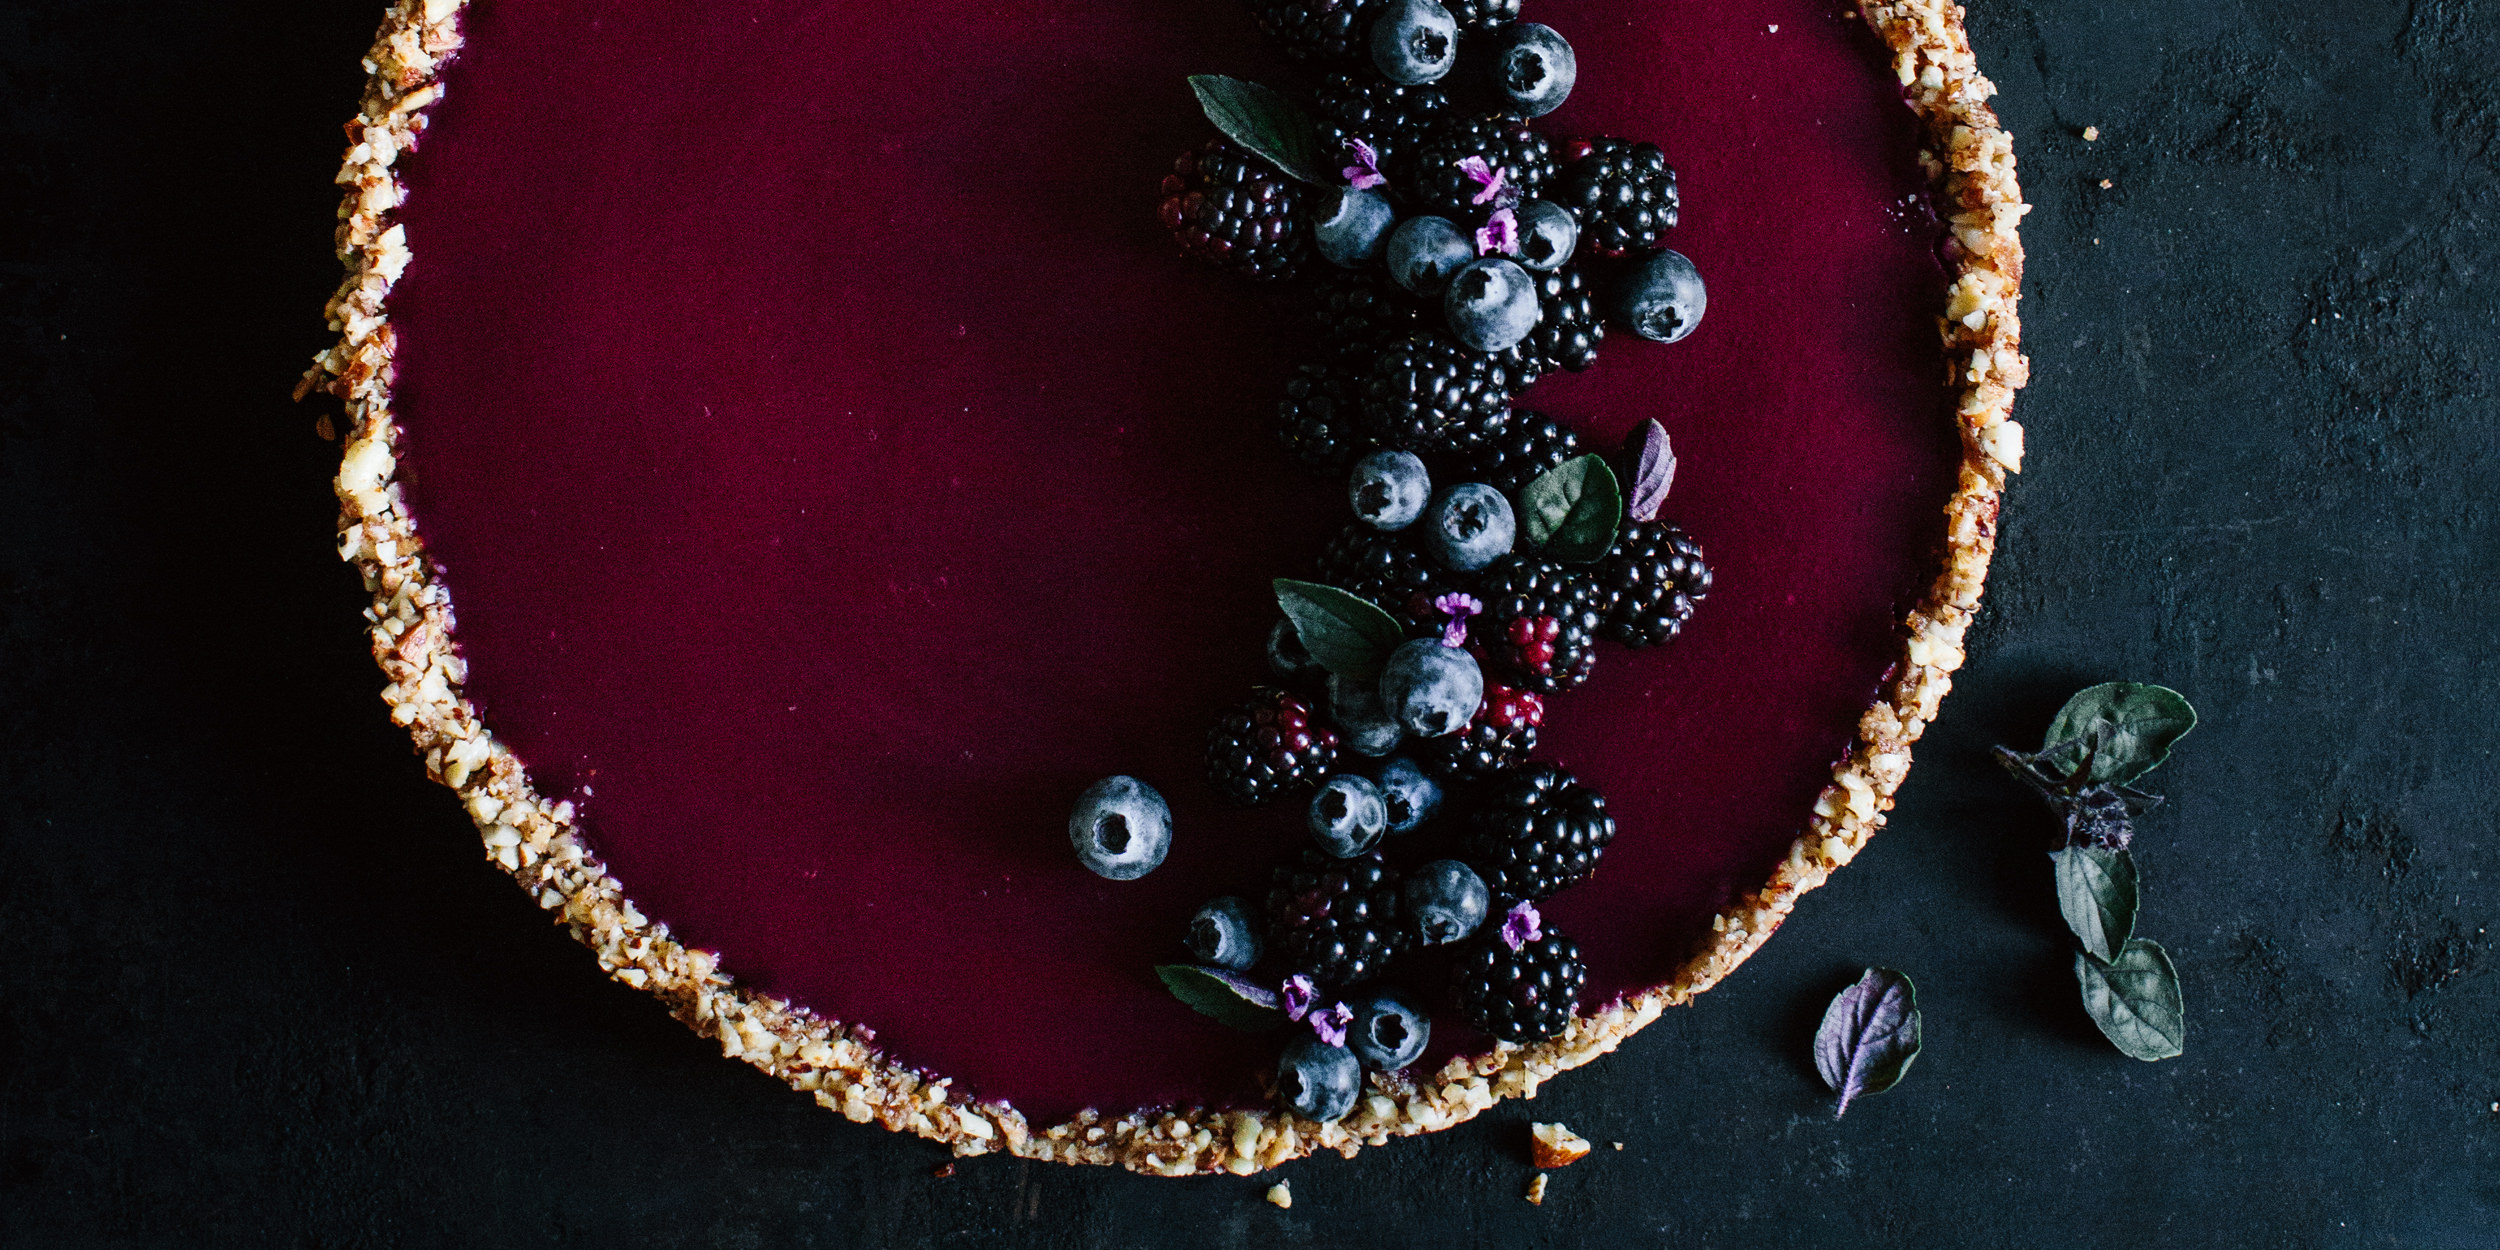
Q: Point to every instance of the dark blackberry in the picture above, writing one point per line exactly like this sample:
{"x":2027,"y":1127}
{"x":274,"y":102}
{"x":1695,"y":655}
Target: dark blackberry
{"x":1498,"y":738}
{"x":1389,"y":116}
{"x":1335,"y":920}
{"x":1624,"y":193}
{"x":1482,"y":14}
{"x":1326,"y":31}
{"x":1235,"y":211}
{"x":1426,"y":393}
{"x":1319,"y":420}
{"x":1569,"y":326}
{"x":1267,"y":746}
{"x":1649,"y":583}
{"x":1540,"y":623}
{"x":1392,"y":571}
{"x":1533,"y":444}
{"x":1435,"y":181}
{"x":1360,"y":311}
{"x":1536,"y":830}
{"x":1525,"y":995}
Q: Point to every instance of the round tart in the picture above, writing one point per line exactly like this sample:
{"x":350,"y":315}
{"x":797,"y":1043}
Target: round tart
{"x":833,"y":473}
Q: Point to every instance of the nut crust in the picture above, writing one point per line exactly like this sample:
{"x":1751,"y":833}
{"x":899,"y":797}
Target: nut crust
{"x":1969,"y":160}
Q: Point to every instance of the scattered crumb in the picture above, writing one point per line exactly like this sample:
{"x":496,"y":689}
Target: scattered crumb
{"x":322,"y":427}
{"x":943,"y":1170}
{"x":1775,"y":28}
{"x":1618,"y":1145}
{"x":2106,"y":184}
{"x":2096,"y":242}
{"x":2091,"y":134}
{"x":1555,"y":1146}
{"x":1536,"y":1190}
{"x":1280,"y":1195}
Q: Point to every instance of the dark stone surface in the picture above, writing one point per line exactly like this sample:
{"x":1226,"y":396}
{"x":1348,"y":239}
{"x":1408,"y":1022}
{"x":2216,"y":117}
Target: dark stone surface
{"x":259,"y":989}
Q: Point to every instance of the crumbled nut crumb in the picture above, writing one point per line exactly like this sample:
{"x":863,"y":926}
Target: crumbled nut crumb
{"x":1536,"y":1190}
{"x":1617,"y":1145}
{"x":1554,"y":1146}
{"x":943,"y":1170}
{"x":1280,"y":1194}
{"x":2091,"y":134}
{"x":2106,"y":184}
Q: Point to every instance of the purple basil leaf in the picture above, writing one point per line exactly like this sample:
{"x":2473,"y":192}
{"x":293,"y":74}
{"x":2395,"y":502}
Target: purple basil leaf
{"x":1869,"y":1036}
{"x":1655,"y":474}
{"x":1227,"y":997}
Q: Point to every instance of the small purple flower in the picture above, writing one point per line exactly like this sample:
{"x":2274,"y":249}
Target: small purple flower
{"x":1483,"y":173}
{"x":1364,"y":173}
{"x":1457,"y":607}
{"x":1331,"y":1022}
{"x":1500,"y":235}
{"x":1298,"y":995}
{"x":1522,"y":926}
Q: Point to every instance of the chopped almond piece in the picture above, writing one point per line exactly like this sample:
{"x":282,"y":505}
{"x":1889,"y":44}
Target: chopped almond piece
{"x":1536,"y":1190}
{"x":1556,"y":1146}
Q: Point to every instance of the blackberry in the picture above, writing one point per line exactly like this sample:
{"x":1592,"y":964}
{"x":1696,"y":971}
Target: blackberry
{"x":1540,"y":623}
{"x":1649,"y":583}
{"x":1389,"y":116}
{"x":1426,"y":393}
{"x":1319,"y":418}
{"x":1498,"y":738}
{"x":1360,"y":311}
{"x":1319,"y":30}
{"x":1391,"y":570}
{"x":1536,"y":830}
{"x":1624,"y":193}
{"x":1435,"y":181}
{"x":1533,"y":444}
{"x":1335,"y":920}
{"x":1524,"y":995}
{"x":1235,"y":211}
{"x":1267,"y":746}
{"x":1483,"y":14}
{"x":1569,"y":326}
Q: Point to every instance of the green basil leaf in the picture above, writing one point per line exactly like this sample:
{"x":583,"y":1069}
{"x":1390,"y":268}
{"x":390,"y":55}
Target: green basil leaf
{"x":2124,"y":728}
{"x":1346,"y":634}
{"x":1264,"y":121}
{"x":2096,"y":889}
{"x":2135,"y":1000}
{"x":1870,"y":1034}
{"x":1225,"y":997}
{"x":1573,"y":509}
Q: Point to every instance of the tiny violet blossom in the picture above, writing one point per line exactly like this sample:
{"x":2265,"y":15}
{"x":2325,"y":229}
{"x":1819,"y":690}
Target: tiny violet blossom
{"x":1364,"y":173}
{"x":1457,"y":607}
{"x":1485,"y":174}
{"x":1298,"y":995}
{"x":1331,"y":1022}
{"x":1522,"y":926}
{"x":1500,"y":235}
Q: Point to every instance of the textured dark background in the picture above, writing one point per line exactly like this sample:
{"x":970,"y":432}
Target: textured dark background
{"x":258,"y":989}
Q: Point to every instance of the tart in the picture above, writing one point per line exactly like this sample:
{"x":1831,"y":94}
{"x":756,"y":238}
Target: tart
{"x":834,"y":473}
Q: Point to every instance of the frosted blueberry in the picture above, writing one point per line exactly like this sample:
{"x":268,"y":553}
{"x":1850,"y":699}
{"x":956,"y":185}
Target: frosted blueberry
{"x":1347,"y":815}
{"x":1389,"y":489}
{"x":1121,"y":828}
{"x":1530,"y":68}
{"x":1547,"y":234}
{"x":1317,"y":1080}
{"x":1414,"y":42}
{"x":1363,"y":720}
{"x":1491,"y":304}
{"x":1663,"y":299}
{"x":1469,"y":526}
{"x":1225,"y":934}
{"x":1350,"y":225}
{"x":1430,"y":688}
{"x":1447,"y":900}
{"x":1410,"y":794}
{"x":1389,"y":1030}
{"x":1424,"y":251}
{"x":1286,"y":656}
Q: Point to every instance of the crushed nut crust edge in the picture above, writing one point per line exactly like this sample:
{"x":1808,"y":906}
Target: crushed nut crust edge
{"x":1969,"y":161}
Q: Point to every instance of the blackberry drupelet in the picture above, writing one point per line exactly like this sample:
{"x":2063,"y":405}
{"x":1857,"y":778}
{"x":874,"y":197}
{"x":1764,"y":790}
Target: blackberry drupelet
{"x":1483,"y":14}
{"x":1235,"y":211}
{"x":1569,"y":326}
{"x":1335,"y":920}
{"x":1524,"y":995}
{"x":1389,"y":116}
{"x":1533,"y":444}
{"x":1435,"y":181}
{"x":1426,"y":393}
{"x":1325,"y":31}
{"x":1650,"y":582}
{"x":1498,"y":738}
{"x":1267,"y":746}
{"x":1540,"y":623}
{"x":1536,"y":830}
{"x":1625,"y":195}
{"x":1320,"y":418}
{"x":1392,"y":571}
{"x":1359,"y":311}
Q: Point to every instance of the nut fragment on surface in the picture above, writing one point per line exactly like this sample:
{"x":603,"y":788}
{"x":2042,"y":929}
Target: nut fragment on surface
{"x":1280,"y":1194}
{"x":1554,"y":1146}
{"x":1536,"y":1190}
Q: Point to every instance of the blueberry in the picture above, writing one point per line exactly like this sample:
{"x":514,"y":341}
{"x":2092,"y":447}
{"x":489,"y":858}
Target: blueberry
{"x":1317,"y":1080}
{"x":1389,"y":489}
{"x":1663,"y":299}
{"x":1347,"y":815}
{"x":1415,"y":42}
{"x":1491,"y":304}
{"x":1430,"y":688}
{"x":1447,"y":899}
{"x":1389,"y":1031}
{"x":1530,"y":69}
{"x":1410,"y":794}
{"x":1425,"y":251}
{"x":1225,"y":934}
{"x":1547,"y":234}
{"x":1469,"y":526}
{"x":1121,"y":828}
{"x":1350,"y":225}
{"x":1363,"y":720}
{"x":1286,"y":656}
